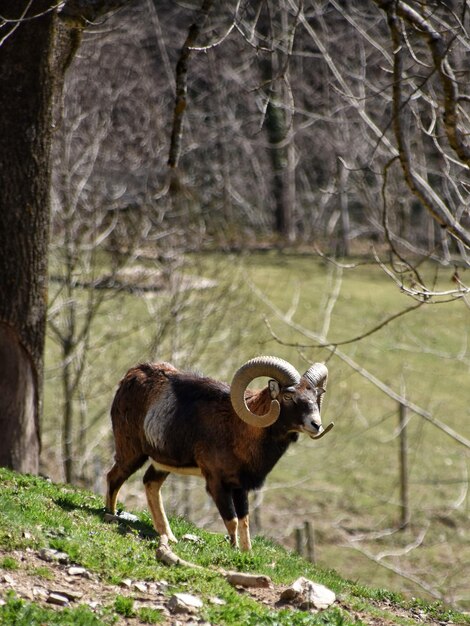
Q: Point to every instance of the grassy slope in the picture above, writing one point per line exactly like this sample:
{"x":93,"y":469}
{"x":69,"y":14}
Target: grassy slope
{"x":348,"y":483}
{"x":37,"y":514}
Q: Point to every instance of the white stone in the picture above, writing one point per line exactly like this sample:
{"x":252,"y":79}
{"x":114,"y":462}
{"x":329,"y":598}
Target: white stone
{"x":70,"y":594}
{"x":217,"y":601}
{"x":77,"y":571}
{"x":94,"y":604}
{"x":40,"y":591}
{"x":184,"y":603}
{"x":6,"y":578}
{"x":57,"y":598}
{"x":192,"y":538}
{"x":50,"y":555}
{"x":308,"y":594}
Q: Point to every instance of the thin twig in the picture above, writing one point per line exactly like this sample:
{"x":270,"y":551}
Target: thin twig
{"x":335,"y":344}
{"x":417,"y":581}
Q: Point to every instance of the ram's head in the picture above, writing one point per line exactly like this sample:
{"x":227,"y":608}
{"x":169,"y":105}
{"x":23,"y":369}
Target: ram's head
{"x":295,"y":400}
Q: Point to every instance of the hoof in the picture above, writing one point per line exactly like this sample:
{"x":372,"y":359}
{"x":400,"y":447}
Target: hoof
{"x":167,"y":538}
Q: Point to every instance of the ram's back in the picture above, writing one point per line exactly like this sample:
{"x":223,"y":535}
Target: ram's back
{"x":171,"y":412}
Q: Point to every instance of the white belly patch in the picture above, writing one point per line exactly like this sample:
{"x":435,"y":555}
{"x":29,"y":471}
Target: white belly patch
{"x":182,"y":471}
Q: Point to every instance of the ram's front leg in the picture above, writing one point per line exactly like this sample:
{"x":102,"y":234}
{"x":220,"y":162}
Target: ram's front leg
{"x":223,"y":498}
{"x":240,"y":500}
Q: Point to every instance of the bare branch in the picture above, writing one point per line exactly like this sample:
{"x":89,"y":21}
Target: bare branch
{"x":439,"y":50}
{"x":361,"y":370}
{"x":397,"y":570}
{"x":416,"y":183}
{"x":424,"y":295}
{"x":182,"y":81}
{"x":80,"y":13}
{"x":368,"y":333}
{"x":223,"y":37}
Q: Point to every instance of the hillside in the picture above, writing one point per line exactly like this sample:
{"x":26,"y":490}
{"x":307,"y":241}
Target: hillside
{"x":346,"y":485}
{"x":61,"y":563}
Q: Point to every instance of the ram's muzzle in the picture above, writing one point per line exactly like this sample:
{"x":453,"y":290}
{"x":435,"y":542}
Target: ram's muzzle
{"x":322,"y":431}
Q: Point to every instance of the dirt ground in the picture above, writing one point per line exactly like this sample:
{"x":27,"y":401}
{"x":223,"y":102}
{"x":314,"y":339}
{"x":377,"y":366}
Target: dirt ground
{"x":47,"y":578}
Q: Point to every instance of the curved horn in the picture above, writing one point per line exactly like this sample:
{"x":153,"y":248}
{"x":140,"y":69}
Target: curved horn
{"x":317,"y":376}
{"x":271,"y":366}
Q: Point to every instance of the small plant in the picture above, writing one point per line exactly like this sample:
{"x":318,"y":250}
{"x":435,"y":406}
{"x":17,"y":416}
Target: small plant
{"x":8,"y":562}
{"x":124,"y":606}
{"x":150,"y":616}
{"x":42,"y":572}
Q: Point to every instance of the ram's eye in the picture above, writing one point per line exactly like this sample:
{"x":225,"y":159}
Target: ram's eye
{"x":288,"y":396}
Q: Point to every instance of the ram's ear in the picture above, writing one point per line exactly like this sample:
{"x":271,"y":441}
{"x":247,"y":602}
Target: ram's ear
{"x":274,"y":389}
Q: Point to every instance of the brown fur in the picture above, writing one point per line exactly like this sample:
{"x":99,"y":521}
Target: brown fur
{"x":191,"y":423}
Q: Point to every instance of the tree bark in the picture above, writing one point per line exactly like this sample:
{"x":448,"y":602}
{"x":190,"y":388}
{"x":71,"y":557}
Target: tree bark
{"x":19,"y":444}
{"x":283,"y":169}
{"x":33,"y":56}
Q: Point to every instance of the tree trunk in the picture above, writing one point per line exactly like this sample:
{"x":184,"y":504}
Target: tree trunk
{"x":19,"y":444}
{"x":280,"y":138}
{"x":283,"y":169}
{"x":31,"y":71}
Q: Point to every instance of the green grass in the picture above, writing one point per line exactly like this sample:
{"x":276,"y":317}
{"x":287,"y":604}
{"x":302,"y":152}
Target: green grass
{"x":42,"y":572}
{"x":18,"y":612}
{"x":150,"y":616}
{"x":347,"y":484}
{"x":9,"y":563}
{"x":37,"y":513}
{"x":124,"y":606}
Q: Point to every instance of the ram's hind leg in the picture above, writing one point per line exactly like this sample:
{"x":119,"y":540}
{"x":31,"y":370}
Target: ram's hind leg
{"x":117,"y":476}
{"x":153,"y":481}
